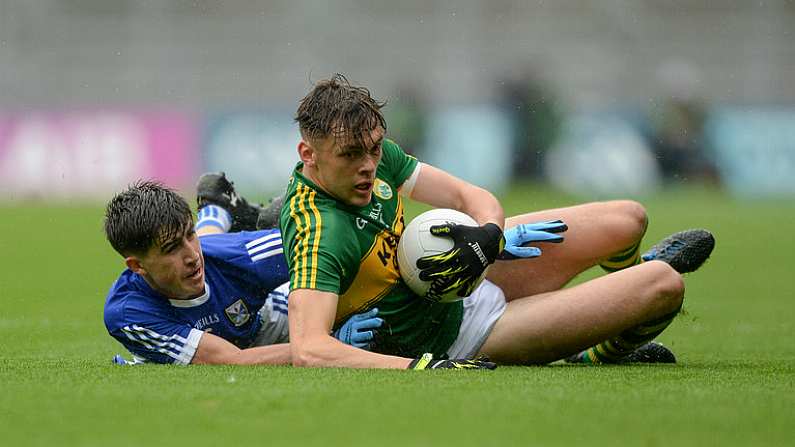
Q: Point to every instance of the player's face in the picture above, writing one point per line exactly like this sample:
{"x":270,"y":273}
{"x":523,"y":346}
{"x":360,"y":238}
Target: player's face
{"x":175,"y":268}
{"x":346,"y":170}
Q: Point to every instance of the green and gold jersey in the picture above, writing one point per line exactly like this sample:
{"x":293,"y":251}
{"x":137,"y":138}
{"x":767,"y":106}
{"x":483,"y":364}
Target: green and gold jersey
{"x":352,"y":251}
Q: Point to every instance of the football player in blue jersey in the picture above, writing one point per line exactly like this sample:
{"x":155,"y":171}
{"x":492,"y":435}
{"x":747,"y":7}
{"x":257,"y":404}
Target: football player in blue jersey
{"x":216,"y":299}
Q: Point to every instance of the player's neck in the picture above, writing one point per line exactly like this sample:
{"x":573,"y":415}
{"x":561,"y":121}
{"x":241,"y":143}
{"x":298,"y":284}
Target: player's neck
{"x":311,"y":175}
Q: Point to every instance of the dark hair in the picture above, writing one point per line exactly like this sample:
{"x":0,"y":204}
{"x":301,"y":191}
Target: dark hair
{"x":144,"y":215}
{"x":336,"y":108}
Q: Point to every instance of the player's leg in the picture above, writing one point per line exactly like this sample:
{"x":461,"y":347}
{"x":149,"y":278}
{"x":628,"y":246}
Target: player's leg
{"x":632,"y":305}
{"x":597,"y":232}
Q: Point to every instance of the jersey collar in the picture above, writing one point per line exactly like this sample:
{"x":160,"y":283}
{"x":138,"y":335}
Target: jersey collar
{"x":198,"y":301}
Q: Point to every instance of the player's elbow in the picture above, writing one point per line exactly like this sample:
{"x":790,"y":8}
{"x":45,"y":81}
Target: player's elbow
{"x":309,"y":354}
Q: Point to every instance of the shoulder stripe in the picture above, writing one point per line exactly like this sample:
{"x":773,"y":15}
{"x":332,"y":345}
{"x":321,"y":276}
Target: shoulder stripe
{"x":299,"y":236}
{"x":265,"y":246}
{"x":269,"y":237}
{"x":318,"y":230}
{"x":267,"y":254}
{"x":308,"y":235}
{"x":305,"y":275}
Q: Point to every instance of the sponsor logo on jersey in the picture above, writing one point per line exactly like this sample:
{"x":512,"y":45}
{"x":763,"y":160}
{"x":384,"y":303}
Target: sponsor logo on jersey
{"x":205,"y":321}
{"x":375,"y":213}
{"x":238,"y":313}
{"x":382,"y":190}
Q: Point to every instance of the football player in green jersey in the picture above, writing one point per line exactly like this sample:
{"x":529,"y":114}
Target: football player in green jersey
{"x":343,"y":216}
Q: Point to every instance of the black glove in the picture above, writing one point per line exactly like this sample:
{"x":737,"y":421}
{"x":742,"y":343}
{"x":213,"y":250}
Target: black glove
{"x":427,"y":362}
{"x":269,"y":217}
{"x":214,"y":188}
{"x":474,"y":248}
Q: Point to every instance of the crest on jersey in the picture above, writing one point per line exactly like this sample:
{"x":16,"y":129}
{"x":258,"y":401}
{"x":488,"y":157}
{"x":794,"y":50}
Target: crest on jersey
{"x":382,"y":189}
{"x":238,"y":313}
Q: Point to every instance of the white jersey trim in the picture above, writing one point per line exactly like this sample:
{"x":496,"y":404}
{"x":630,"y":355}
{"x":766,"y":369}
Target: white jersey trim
{"x":258,"y":241}
{"x":265,"y":247}
{"x":198,"y":301}
{"x":180,"y":349}
{"x":268,"y":254}
{"x":407,"y":187}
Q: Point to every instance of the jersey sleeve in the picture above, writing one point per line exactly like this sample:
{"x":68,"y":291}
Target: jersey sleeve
{"x":149,"y":334}
{"x":314,"y":242}
{"x":257,"y":256}
{"x":397,"y":163}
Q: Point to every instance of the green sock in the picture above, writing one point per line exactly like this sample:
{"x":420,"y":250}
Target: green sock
{"x":623,"y":259}
{"x":613,"y":349}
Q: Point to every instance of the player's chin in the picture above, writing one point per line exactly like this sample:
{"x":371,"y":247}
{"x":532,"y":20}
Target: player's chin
{"x":360,"y":197}
{"x":194,"y":289}
{"x":195,"y":282}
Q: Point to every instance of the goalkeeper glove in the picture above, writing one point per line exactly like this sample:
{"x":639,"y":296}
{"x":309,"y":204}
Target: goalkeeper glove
{"x":427,"y":362}
{"x":213,"y":188}
{"x":519,"y":237}
{"x":474,"y":248}
{"x":269,"y":216}
{"x":357,"y":330}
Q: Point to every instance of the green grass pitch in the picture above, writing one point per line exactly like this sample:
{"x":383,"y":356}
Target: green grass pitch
{"x":733,"y":384}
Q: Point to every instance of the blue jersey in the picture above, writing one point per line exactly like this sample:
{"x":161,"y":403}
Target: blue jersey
{"x":241,"y":270}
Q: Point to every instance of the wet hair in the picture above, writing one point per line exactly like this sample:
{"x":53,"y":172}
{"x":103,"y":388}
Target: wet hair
{"x":144,"y":215}
{"x":336,"y":108}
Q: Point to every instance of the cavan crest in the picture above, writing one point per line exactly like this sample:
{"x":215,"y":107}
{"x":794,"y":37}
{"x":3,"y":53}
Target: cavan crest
{"x":238,"y":313}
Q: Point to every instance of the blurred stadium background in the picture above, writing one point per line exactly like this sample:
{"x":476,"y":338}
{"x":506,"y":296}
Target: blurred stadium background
{"x":687,"y":105}
{"x":605,"y":98}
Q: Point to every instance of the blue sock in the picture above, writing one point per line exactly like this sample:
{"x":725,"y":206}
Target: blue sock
{"x":214,"y":215}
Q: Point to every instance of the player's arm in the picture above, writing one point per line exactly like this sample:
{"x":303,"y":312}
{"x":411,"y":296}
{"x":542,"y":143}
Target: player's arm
{"x":439,"y":189}
{"x":214,"y":350}
{"x":311,"y":314}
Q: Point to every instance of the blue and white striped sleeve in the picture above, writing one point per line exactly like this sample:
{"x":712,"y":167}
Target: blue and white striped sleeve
{"x":266,"y":253}
{"x":154,"y":337}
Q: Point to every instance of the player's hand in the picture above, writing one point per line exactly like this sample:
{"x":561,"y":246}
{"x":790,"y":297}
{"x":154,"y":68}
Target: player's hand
{"x":474,"y":248}
{"x":358,"y":331}
{"x":518,"y":238}
{"x":213,"y":188}
{"x":119,"y":360}
{"x":428,"y":362}
{"x":269,"y":216}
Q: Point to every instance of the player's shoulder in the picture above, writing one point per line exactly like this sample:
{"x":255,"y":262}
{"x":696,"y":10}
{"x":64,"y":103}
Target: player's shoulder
{"x":392,"y":150}
{"x":218,"y":244}
{"x":313,"y":212}
{"x":396,"y":165}
{"x":127,"y":297}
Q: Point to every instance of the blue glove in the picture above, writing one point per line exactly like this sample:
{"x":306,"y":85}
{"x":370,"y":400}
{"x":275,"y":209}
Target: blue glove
{"x":518,"y":238}
{"x":119,"y":360}
{"x":357,"y":331}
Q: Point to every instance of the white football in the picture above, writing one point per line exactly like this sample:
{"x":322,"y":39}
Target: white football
{"x":417,"y":242}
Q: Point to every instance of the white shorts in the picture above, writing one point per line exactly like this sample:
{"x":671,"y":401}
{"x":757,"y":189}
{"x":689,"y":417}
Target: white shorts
{"x":275,"y":327}
{"x":482,"y":309}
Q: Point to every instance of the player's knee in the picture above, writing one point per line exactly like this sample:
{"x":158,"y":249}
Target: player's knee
{"x":634,"y":218}
{"x":668,"y":286}
{"x":624,"y":221}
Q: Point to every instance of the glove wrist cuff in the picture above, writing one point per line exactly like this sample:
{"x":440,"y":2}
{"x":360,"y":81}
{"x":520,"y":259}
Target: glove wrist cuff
{"x":422,"y":362}
{"x":495,"y":235}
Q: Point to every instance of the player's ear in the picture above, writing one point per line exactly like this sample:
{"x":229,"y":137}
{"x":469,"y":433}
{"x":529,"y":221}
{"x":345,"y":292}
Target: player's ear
{"x":134,"y":264}
{"x":306,"y":153}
